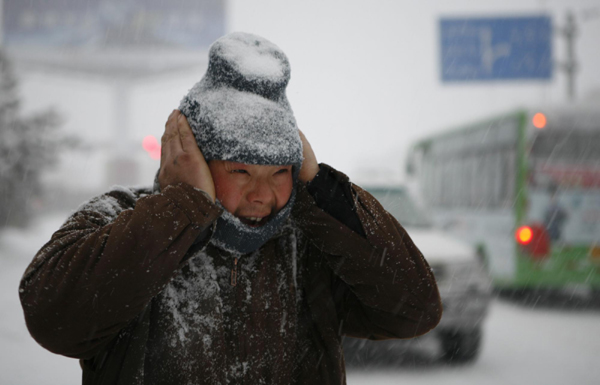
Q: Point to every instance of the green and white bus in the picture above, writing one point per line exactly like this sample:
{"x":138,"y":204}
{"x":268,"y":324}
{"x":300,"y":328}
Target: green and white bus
{"x":524,"y":188}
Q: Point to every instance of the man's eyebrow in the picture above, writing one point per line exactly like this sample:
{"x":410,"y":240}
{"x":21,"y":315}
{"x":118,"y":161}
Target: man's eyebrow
{"x":235,"y":164}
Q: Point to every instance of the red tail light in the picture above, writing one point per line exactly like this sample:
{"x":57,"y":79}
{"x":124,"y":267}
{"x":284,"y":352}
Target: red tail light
{"x":534,"y":240}
{"x":524,"y":235}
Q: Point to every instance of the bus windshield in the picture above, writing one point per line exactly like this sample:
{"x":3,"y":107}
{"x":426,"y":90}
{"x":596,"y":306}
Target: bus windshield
{"x":567,"y":146}
{"x":564,"y":185}
{"x":568,"y":159}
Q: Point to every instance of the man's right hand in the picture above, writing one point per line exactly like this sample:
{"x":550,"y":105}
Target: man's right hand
{"x":181,"y":160}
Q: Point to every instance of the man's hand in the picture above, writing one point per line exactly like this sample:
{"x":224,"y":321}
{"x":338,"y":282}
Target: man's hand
{"x":310,"y":167}
{"x":181,"y":160}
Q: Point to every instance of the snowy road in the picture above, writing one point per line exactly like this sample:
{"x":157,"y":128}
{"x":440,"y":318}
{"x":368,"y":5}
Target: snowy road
{"x":522,"y":346}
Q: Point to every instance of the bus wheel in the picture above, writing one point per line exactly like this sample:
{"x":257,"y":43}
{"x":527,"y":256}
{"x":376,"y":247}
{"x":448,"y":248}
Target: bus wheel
{"x":460,"y":346}
{"x":595,"y":297}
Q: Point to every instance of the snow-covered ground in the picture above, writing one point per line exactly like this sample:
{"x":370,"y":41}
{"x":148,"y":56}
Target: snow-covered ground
{"x":522,"y":346}
{"x":22,"y":361}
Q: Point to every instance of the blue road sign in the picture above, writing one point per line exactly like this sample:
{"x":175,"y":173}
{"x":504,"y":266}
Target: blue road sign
{"x":475,"y":49}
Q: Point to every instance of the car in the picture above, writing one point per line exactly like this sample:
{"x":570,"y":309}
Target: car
{"x":464,"y":284}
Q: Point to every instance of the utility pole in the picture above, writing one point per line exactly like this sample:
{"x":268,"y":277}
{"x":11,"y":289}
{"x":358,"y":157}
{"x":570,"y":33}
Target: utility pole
{"x":1,"y":23}
{"x":569,"y":32}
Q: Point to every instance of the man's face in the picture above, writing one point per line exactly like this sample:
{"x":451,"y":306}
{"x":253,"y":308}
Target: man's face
{"x":253,"y":193}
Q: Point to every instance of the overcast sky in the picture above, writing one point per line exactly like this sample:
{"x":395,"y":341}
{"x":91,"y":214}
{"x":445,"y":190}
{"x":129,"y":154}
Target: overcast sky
{"x":365,"y":75}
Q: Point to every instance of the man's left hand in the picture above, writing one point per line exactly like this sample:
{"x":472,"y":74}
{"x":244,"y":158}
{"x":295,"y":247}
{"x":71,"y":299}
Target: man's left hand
{"x":310,"y":166}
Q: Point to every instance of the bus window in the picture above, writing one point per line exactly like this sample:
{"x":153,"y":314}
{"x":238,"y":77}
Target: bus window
{"x":567,"y":146}
{"x":508,"y":177}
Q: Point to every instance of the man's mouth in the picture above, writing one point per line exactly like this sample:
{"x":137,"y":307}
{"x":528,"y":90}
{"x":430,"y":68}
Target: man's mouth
{"x":253,"y":221}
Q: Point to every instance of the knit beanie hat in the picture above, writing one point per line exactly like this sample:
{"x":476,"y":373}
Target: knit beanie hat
{"x":239,"y":112}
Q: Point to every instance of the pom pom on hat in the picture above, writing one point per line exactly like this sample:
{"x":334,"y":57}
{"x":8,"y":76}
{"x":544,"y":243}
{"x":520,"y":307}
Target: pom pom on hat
{"x":249,"y":63}
{"x":239,"y":110}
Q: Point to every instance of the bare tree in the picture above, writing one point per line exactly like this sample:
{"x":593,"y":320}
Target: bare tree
{"x":28,"y":146}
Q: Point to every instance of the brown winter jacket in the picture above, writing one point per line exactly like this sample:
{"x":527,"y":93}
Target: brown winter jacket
{"x":124,"y":287}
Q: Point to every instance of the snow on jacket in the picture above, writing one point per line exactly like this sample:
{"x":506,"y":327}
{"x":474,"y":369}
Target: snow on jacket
{"x":125,"y":286}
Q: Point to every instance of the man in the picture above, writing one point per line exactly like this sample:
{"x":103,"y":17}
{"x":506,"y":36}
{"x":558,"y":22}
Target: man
{"x":555,"y":216}
{"x":247,"y":263}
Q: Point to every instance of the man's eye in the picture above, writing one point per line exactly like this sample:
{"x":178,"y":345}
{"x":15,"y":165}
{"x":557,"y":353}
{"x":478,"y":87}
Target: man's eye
{"x":239,"y":171}
{"x":282,"y":171}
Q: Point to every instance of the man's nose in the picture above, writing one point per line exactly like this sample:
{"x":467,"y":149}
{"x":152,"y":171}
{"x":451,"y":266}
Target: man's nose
{"x":260,"y":192}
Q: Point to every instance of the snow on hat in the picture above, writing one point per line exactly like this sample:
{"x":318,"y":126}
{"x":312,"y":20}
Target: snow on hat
{"x":239,"y":110}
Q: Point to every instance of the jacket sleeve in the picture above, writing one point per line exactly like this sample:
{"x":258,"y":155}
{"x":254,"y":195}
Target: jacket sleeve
{"x":380,"y":284}
{"x":104,"y":265}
